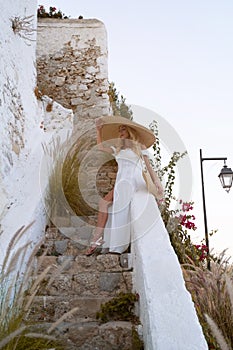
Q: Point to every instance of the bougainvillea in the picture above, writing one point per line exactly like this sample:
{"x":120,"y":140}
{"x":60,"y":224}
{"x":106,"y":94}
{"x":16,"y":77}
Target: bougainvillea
{"x":202,"y":250}
{"x":180,"y":222}
{"x":52,"y":13}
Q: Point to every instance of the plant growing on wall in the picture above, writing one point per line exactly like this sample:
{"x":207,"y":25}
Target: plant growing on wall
{"x":122,"y":308}
{"x":51,"y":13}
{"x":180,"y":221}
{"x":118,"y":104}
{"x":23,"y":26}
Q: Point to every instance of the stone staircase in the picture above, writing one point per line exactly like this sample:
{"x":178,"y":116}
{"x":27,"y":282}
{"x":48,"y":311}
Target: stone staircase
{"x":78,"y":281}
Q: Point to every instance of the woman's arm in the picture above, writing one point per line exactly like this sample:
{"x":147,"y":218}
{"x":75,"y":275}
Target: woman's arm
{"x":101,"y":147}
{"x":153,"y":175}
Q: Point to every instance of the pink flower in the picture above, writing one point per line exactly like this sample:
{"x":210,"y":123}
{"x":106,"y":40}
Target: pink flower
{"x":183,"y":219}
{"x":190,"y":225}
{"x":203,"y":249}
{"x":186,"y":207}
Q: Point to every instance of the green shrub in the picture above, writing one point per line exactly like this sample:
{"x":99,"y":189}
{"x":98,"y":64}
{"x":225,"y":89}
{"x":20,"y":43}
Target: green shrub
{"x":118,"y":104}
{"x":119,"y":308}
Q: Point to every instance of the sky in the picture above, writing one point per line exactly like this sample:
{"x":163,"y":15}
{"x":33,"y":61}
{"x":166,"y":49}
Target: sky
{"x":175,"y":59}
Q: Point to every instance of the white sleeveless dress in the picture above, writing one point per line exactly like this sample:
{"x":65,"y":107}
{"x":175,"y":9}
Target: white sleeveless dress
{"x":129,"y":180}
{"x":166,"y":306}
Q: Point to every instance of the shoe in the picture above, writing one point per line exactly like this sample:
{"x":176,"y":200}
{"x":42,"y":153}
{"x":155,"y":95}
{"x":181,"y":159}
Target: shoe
{"x":93,"y":246}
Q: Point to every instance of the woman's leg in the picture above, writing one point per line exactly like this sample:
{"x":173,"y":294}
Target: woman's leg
{"x":101,"y":221}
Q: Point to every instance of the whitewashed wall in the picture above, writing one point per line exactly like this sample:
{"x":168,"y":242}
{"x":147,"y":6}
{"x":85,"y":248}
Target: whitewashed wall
{"x":17,"y":81}
{"x":21,"y":131}
{"x":167,"y":312}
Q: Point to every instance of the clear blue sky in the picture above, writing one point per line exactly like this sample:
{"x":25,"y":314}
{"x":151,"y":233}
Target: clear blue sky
{"x":176,"y":58}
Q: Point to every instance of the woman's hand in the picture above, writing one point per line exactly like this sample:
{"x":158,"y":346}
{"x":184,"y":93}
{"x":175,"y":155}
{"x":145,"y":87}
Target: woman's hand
{"x":99,"y":123}
{"x":101,"y":146}
{"x":159,"y":188}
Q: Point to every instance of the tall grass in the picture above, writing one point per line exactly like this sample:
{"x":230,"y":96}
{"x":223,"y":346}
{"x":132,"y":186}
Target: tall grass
{"x":71,"y":177}
{"x":63,"y":161}
{"x":212,"y":292}
{"x":55,"y":200}
{"x":17,"y":293}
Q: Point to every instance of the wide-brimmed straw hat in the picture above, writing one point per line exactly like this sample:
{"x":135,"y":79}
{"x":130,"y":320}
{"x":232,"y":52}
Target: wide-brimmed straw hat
{"x":110,"y":130}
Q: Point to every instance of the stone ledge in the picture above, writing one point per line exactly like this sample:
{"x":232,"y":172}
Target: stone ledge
{"x":51,"y":308}
{"x":74,"y":22}
{"x":81,"y":263}
{"x":89,"y":284}
{"x":82,"y":335}
{"x":115,"y":335}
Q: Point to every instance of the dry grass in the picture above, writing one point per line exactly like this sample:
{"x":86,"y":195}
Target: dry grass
{"x":55,"y":200}
{"x":72,"y":164}
{"x":17,"y":293}
{"x":70,"y":183}
{"x":85,"y":175}
{"x":64,"y":195}
{"x":62,"y":318}
{"x":213,"y":298}
{"x":217,"y":333}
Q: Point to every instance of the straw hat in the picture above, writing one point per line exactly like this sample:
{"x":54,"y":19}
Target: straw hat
{"x":110,"y":130}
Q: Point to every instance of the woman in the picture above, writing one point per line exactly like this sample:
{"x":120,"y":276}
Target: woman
{"x":114,"y":219}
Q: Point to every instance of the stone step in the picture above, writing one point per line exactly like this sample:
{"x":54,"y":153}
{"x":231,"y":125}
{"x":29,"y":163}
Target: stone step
{"x":80,"y":235}
{"x":83,"y":263}
{"x":79,"y":221}
{"x":74,"y":221}
{"x":109,"y":336}
{"x":90,"y":335}
{"x":77,"y":281}
{"x":51,"y":308}
{"x":62,"y":245}
{"x":87,"y":283}
{"x":67,"y":239}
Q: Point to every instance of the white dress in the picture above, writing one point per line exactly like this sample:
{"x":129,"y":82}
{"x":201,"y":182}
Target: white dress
{"x":167,"y":312}
{"x":118,"y":229}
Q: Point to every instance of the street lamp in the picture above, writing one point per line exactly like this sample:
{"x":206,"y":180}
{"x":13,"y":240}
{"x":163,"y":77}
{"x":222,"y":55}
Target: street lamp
{"x":226,"y":178}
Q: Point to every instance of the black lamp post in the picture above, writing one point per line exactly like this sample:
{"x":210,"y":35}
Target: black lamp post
{"x":226,"y":178}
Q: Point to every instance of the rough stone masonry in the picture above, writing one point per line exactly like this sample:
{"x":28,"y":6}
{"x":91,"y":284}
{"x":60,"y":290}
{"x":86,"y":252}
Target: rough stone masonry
{"x":72,"y":65}
{"x":72,"y":69}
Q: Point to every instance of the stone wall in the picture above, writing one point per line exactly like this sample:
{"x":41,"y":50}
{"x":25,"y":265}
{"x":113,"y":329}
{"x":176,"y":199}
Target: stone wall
{"x":72,"y":65}
{"x":72,"y":69}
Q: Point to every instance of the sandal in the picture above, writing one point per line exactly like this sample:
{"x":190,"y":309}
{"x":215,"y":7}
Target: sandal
{"x":93,"y":246}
